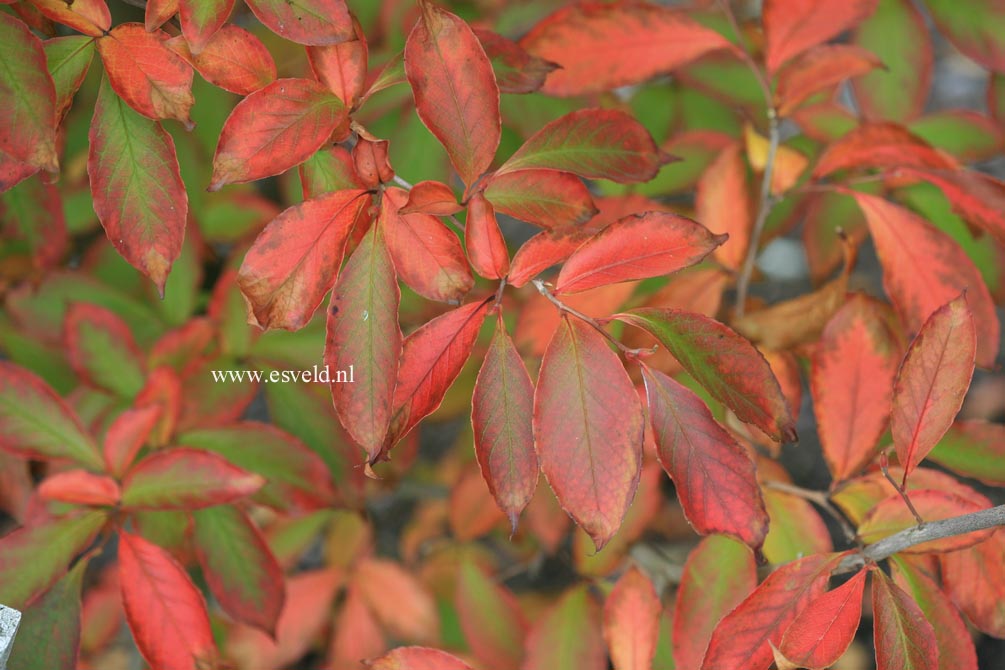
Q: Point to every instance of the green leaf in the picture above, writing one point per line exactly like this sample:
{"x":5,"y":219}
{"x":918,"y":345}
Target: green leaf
{"x":49,"y":635}
{"x":39,"y":555}
{"x":975,"y":27}
{"x":974,"y":449}
{"x":35,"y":422}
{"x":568,"y":636}
{"x":68,"y":59}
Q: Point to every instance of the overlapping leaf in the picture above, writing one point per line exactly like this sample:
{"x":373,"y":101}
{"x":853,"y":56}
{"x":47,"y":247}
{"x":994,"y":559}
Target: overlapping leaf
{"x":418,"y":658}
{"x":793,"y":26}
{"x":974,"y":27}
{"x":484,"y":241}
{"x":233,"y":59}
{"x":903,"y":636}
{"x":90,"y":17}
{"x":819,"y":69}
{"x":456,"y":94}
{"x":588,"y":428}
{"x":342,"y":67}
{"x":723,"y":205}
{"x":973,"y":579}
{"x":201,"y":19}
{"x":546,"y":198}
{"x":821,"y":634}
{"x":184,"y":478}
{"x":68,"y":59}
{"x":516,"y":71}
{"x":311,"y":22}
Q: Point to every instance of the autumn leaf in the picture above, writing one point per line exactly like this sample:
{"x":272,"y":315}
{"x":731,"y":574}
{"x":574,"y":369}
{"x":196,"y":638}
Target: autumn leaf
{"x":136,"y":185}
{"x":600,"y":46}
{"x":972,"y":579}
{"x":932,"y":382}
{"x":973,"y":448}
{"x":976,"y":30}
{"x":102,"y":351}
{"x":485,"y":244}
{"x":568,"y":635}
{"x":28,"y":115}
{"x":880,"y":145}
{"x":431,"y":197}
{"x":592,"y":143}
{"x":158,"y":12}
{"x":516,"y":71}
{"x":728,"y":366}
{"x":184,"y":478}
{"x":363,"y":332}
{"x":923,"y":269}
{"x":200,"y":19}
{"x":165,"y":611}
{"x":545,"y":198}
{"x":417,"y":658}
{"x":490,"y":617}
{"x":644,"y":245}
{"x":904,"y":638}
{"x":233,"y":59}
{"x":127,"y":435}
{"x":821,"y":634}
{"x":718,"y":574}
{"x":79,"y":487}
{"x":631,"y":621}
{"x":818,"y":69}
{"x":275,"y":128}
{"x":402,"y":605}
{"x":851,"y":375}
{"x":501,"y":411}
{"x":342,"y":67}
{"x":311,"y":22}
{"x":456,"y":94}
{"x":90,"y":17}
{"x":891,"y":516}
{"x":793,"y":26}
{"x":588,"y":427}
{"x":294,"y":261}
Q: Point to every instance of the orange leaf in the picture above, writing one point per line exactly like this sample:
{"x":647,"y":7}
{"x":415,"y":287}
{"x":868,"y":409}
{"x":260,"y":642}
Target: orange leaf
{"x":891,"y":516}
{"x":823,"y":631}
{"x":932,"y":382}
{"x":431,"y":197}
{"x":588,"y":428}
{"x":602,"y":46}
{"x":880,"y":145}
{"x":342,"y":67}
{"x":793,"y":26}
{"x":821,"y":68}
{"x":79,"y":487}
{"x":722,"y":204}
{"x":90,"y":17}
{"x":417,"y":658}
{"x":631,"y":621}
{"x":973,"y":578}
{"x":455,"y":91}
{"x":233,"y":59}
{"x":399,"y":601}
{"x":484,"y":241}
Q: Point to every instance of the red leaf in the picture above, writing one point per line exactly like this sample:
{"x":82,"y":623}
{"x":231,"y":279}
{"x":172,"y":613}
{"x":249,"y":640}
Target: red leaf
{"x":90,"y":17}
{"x":823,"y":631}
{"x":516,"y":71}
{"x":431,"y":358}
{"x":631,"y":621}
{"x":744,"y":637}
{"x":165,"y":611}
{"x":233,"y":59}
{"x":102,"y":351}
{"x":427,"y":255}
{"x":923,"y":268}
{"x":851,"y":377}
{"x":275,"y":128}
{"x":956,"y":646}
{"x":719,"y":573}
{"x":79,"y":487}
{"x":13,"y":172}
{"x":973,"y":578}
{"x":455,"y":91}
{"x":371,"y":162}
{"x":978,"y":198}
{"x":903,"y":637}
{"x":543,"y":251}
{"x":484,"y":241}
{"x":793,"y":26}
{"x":546,"y":198}
{"x":240,"y":569}
{"x":880,"y":145}
{"x":471,"y":511}
{"x":127,"y":435}
{"x":136,"y":186}
{"x":342,"y":67}
{"x":399,"y":601}
{"x":727,"y":365}
{"x":200,"y":19}
{"x":158,"y":12}
{"x":490,"y":616}
{"x":417,"y":658}
{"x":891,"y":516}
{"x":356,"y":635}
{"x":714,"y":476}
{"x":821,"y":68}
{"x":37,"y":423}
{"x":501,"y":409}
{"x":933,"y":381}
{"x":295,"y":260}
{"x":644,"y":245}
{"x":600,"y":46}
{"x":183,"y":478}
{"x":144,"y":72}
{"x":363,"y":332}
{"x":28,"y":115}
{"x":723,"y":205}
{"x":311,"y":22}
{"x":588,"y":427}
{"x":593,"y":143}
{"x":431,"y":197}
{"x":898,"y":33}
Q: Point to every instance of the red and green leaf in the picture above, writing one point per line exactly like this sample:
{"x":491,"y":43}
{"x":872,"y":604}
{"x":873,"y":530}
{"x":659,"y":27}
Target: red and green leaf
{"x":588,"y":427}
{"x":545,"y":198}
{"x":342,"y":67}
{"x":68,"y":59}
{"x":903,"y":637}
{"x":310,"y":22}
{"x":973,"y":449}
{"x":201,"y":19}
{"x":102,"y":350}
{"x":821,"y":634}
{"x":516,"y":71}
{"x":79,"y":487}
{"x":975,"y":27}
{"x":567,"y":636}
{"x":456,"y":94}
{"x":185,"y":478}
{"x":127,"y":435}
{"x":491,"y":619}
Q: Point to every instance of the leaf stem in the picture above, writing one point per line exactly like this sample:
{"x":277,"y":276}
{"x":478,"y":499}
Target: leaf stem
{"x":628,"y":351}
{"x":762,"y":80}
{"x":933,"y":530}
{"x":820,"y":499}
{"x":900,"y":489}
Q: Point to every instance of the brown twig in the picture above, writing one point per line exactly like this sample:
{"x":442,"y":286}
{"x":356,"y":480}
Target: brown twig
{"x":900,"y":489}
{"x":628,"y":351}
{"x":820,"y":499}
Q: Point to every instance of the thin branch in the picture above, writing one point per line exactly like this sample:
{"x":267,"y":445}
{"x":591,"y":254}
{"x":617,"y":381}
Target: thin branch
{"x":628,"y":351}
{"x":767,"y":202}
{"x":402,"y":183}
{"x":933,"y":530}
{"x":762,"y":81}
{"x":820,"y":499}
{"x":900,"y":489}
